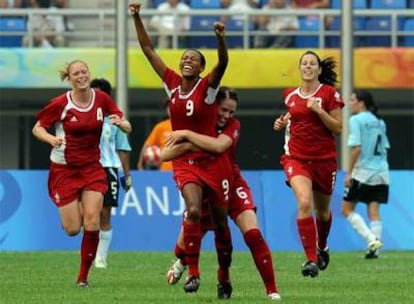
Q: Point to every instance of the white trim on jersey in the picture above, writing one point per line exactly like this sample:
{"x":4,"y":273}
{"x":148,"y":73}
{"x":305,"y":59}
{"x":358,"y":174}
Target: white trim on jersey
{"x":73,"y":105}
{"x":211,"y":95}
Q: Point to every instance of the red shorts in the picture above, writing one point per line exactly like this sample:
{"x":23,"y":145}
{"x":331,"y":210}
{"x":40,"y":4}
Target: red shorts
{"x":322,"y":173}
{"x":213,"y":174}
{"x":240,"y":201}
{"x":66,"y":183}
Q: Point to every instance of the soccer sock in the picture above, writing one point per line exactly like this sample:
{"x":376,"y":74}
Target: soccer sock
{"x":192,"y":242}
{"x":89,"y":245}
{"x":224,"y":249}
{"x":323,"y":231}
{"x":358,"y":223}
{"x":180,"y":254}
{"x":262,"y":258}
{"x":307,"y":233}
{"x":376,"y":228}
{"x":105,"y":238}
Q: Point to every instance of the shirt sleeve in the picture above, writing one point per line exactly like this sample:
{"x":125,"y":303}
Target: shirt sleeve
{"x":50,"y":114}
{"x":354,"y":138}
{"x":121,"y":141}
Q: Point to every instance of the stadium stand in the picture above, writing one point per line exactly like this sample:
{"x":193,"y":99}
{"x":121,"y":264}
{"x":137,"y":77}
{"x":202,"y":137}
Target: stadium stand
{"x":387,"y":25}
{"x":205,"y":4}
{"x":408,"y":41}
{"x":388,"y":4}
{"x":16,"y":27}
{"x":357,"y":4}
{"x":203,"y":24}
{"x":311,"y":23}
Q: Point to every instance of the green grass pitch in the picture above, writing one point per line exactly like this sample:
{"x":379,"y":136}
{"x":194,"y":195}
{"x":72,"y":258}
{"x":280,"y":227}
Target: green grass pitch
{"x":139,"y":277}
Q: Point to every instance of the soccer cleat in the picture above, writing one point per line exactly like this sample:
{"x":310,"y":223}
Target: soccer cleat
{"x":374,"y":245}
{"x":191,"y":284}
{"x":372,"y":254}
{"x":310,"y":268}
{"x":100,"y":263}
{"x":175,"y":272}
{"x":274,"y":296}
{"x":224,"y":290}
{"x":83,"y":284}
{"x":323,"y":258}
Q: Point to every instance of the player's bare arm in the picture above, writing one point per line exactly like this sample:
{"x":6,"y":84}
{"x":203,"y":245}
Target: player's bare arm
{"x":281,"y":122}
{"x":223,"y":56}
{"x":43,"y":135}
{"x":169,"y":153}
{"x":145,"y":42}
{"x":121,"y":123}
{"x":332,"y":120}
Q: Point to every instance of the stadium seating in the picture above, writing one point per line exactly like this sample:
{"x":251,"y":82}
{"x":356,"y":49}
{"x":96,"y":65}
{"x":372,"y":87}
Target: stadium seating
{"x":12,"y":24}
{"x":409,"y":26}
{"x":310,"y":23}
{"x":201,"y":4}
{"x":337,"y":4}
{"x":203,"y":24}
{"x":235,"y":24}
{"x":388,"y":4}
{"x":335,"y":41}
{"x":379,"y":24}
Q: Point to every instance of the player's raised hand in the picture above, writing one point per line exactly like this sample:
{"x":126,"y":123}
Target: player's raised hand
{"x":134,"y":8}
{"x":219,"y":28}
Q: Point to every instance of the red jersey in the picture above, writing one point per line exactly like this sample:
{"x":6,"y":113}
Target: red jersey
{"x":306,"y":136}
{"x":196,"y":110}
{"x":232,"y":129}
{"x":80,"y":127}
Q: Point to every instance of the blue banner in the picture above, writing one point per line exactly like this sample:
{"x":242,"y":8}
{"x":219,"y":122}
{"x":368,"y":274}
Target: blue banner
{"x":149,"y":215}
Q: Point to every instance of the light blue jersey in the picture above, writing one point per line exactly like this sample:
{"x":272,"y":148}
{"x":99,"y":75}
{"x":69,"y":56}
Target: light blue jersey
{"x":113,"y":139}
{"x":369,"y":132}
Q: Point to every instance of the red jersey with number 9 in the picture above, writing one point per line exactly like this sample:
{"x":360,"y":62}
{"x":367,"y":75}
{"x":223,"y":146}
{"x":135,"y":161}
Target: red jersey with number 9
{"x":195,"y":110}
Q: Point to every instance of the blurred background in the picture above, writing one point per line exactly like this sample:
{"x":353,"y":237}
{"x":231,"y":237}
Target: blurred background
{"x":265,"y":38}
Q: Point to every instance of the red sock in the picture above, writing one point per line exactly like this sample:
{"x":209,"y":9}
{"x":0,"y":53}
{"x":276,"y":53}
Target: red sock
{"x":307,"y":233}
{"x":89,"y":245}
{"x":224,"y":249}
{"x":192,"y":242}
{"x":323,"y":231}
{"x":262,"y":258}
{"x":180,"y":254}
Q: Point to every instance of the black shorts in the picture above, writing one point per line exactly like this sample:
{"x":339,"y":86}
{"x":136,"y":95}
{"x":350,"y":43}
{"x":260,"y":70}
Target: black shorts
{"x":111,"y":196}
{"x":359,"y":192}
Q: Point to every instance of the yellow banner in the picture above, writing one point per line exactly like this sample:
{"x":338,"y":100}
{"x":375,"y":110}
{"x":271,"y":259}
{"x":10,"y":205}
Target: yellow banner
{"x":38,"y":68}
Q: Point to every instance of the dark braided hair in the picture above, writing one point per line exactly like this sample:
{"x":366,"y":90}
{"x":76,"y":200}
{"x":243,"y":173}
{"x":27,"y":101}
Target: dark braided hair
{"x":328,"y":65}
{"x":368,"y":100}
{"x":226,"y":93}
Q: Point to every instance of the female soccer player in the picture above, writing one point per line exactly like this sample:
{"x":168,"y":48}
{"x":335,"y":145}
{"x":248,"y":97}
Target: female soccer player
{"x":367,"y":179}
{"x":192,"y":107}
{"x":241,"y":206}
{"x":314,"y":118}
{"x":77,"y":180}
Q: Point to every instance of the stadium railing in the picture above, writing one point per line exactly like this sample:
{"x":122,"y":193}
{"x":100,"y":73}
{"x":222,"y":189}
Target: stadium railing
{"x":96,"y":27}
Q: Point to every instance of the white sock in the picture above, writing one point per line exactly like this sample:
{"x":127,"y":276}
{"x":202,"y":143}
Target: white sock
{"x":105,"y":238}
{"x":376,"y":228}
{"x":358,"y":223}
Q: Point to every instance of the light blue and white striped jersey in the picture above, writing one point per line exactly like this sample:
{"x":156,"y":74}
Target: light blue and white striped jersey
{"x":113,"y":139}
{"x":369,"y":132}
